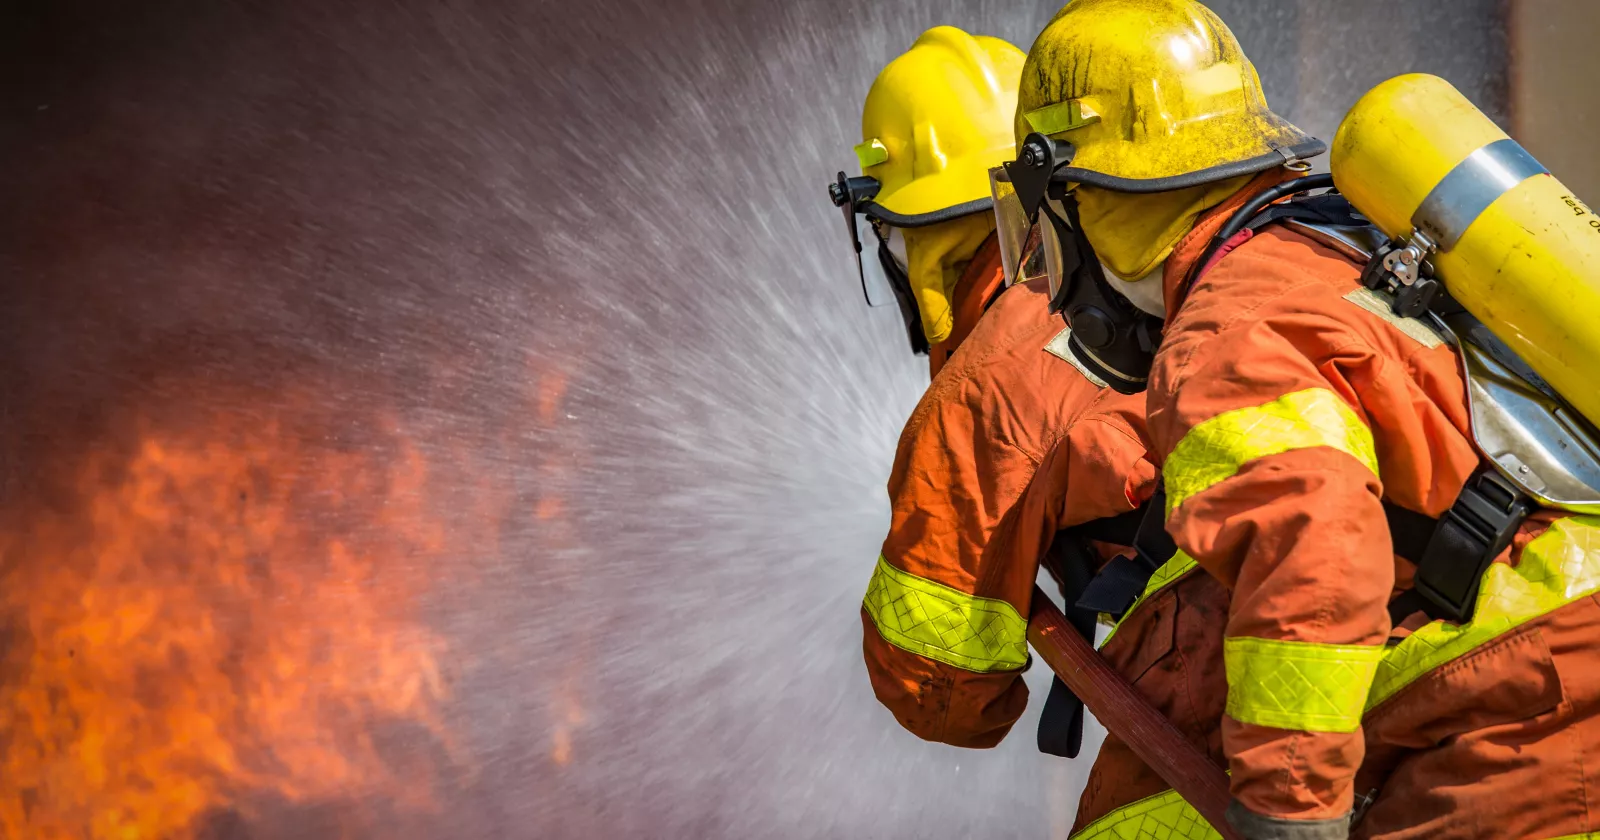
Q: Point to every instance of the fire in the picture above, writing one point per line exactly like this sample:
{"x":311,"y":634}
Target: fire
{"x":209,"y":619}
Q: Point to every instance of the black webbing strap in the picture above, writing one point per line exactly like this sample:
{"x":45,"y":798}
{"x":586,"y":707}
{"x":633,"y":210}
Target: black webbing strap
{"x":1087,"y":593}
{"x":1061,"y":720}
{"x":1123,"y":579}
{"x":1117,"y":530}
{"x":1453,"y":552}
{"x":1326,"y":209}
{"x":1118,"y":585}
{"x":1409,"y":530}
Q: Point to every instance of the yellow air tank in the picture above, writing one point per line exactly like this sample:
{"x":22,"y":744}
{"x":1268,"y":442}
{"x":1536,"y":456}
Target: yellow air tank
{"x":1512,"y":244}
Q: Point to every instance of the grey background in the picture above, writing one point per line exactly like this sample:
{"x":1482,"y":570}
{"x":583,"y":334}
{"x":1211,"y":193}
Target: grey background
{"x":438,"y":210}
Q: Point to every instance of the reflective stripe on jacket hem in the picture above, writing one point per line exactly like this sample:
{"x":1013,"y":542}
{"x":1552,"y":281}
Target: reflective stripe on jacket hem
{"x":1556,"y":568}
{"x":1217,"y":448}
{"x":1298,"y":685}
{"x":1163,"y":815}
{"x":930,"y":619}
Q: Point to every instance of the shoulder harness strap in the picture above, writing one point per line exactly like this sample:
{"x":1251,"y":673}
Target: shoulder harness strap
{"x":1118,"y":583}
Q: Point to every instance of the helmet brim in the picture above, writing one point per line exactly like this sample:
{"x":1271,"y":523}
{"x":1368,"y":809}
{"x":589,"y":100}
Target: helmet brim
{"x":1309,"y":148}
{"x":1202,"y":152}
{"x":883,"y":214}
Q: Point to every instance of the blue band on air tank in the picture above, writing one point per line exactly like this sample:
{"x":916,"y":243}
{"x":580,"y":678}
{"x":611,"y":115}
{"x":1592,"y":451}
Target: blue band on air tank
{"x":1461,"y":197}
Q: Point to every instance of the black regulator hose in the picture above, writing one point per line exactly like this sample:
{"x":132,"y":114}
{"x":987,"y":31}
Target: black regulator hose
{"x":1252,"y":208}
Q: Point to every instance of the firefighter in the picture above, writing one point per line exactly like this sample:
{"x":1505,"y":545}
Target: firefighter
{"x":1410,"y":636}
{"x":1013,"y":450}
{"x":935,"y":120}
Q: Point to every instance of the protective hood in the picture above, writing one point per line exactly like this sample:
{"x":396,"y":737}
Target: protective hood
{"x":936,"y":256}
{"x":1132,"y":233}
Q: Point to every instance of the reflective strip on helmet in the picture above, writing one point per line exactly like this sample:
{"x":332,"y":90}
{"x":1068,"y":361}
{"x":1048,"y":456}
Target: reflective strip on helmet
{"x":1558,"y":567}
{"x":1298,"y":685}
{"x":933,"y":620}
{"x":871,"y":153}
{"x":1176,"y":567}
{"x":1217,"y":448}
{"x":1467,"y":190}
{"x":1062,"y":116}
{"x":1163,"y":815}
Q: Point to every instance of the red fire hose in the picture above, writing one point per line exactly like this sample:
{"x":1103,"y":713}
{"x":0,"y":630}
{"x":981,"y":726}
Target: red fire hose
{"x":1126,"y":714}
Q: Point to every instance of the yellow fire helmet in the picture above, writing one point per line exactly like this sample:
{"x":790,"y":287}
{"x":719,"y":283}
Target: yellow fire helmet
{"x":1153,"y":95}
{"x":1133,"y":117}
{"x":934,"y":122}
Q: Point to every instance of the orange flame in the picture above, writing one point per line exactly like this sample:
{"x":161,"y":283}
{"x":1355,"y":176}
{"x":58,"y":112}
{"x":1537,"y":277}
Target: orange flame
{"x":213,"y":619}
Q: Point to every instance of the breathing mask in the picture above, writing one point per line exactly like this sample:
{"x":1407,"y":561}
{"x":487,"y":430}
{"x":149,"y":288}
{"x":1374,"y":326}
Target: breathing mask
{"x":1110,"y":336}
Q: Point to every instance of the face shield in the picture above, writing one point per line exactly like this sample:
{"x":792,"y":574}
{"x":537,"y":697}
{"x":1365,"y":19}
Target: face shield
{"x":1022,"y":255}
{"x":1110,"y":336}
{"x":879,"y":268}
{"x":1064,"y":247}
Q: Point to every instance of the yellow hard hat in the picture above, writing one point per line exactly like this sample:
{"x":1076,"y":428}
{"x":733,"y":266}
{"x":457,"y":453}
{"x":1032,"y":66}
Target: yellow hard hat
{"x":1153,"y":95}
{"x":935,"y":120}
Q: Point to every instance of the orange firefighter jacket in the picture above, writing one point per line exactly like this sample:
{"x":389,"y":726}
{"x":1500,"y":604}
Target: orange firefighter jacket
{"x":1010,"y":444}
{"x":1285,"y":404}
{"x":1169,"y":646}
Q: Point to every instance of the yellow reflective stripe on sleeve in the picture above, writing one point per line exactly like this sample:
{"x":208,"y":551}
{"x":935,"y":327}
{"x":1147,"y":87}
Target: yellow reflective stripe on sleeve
{"x":946,"y":625}
{"x":1215,"y":449}
{"x":1176,"y":567}
{"x":1164,"y":815}
{"x":1556,"y":568}
{"x":1298,"y":685}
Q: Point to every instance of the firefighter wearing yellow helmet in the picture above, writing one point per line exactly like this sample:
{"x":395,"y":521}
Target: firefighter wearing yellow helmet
{"x":935,"y":120}
{"x":1364,"y":430}
{"x":1013,"y":451}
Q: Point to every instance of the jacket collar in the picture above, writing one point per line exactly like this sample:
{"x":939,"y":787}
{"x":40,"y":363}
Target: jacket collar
{"x":1192,"y":246}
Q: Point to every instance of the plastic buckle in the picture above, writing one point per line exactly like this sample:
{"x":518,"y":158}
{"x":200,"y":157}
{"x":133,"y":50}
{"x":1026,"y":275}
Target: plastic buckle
{"x":1122,"y":580}
{"x":1469,"y":536}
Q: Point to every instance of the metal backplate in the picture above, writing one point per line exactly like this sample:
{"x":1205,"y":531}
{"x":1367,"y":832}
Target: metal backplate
{"x":1355,"y":242}
{"x":1537,"y":442}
